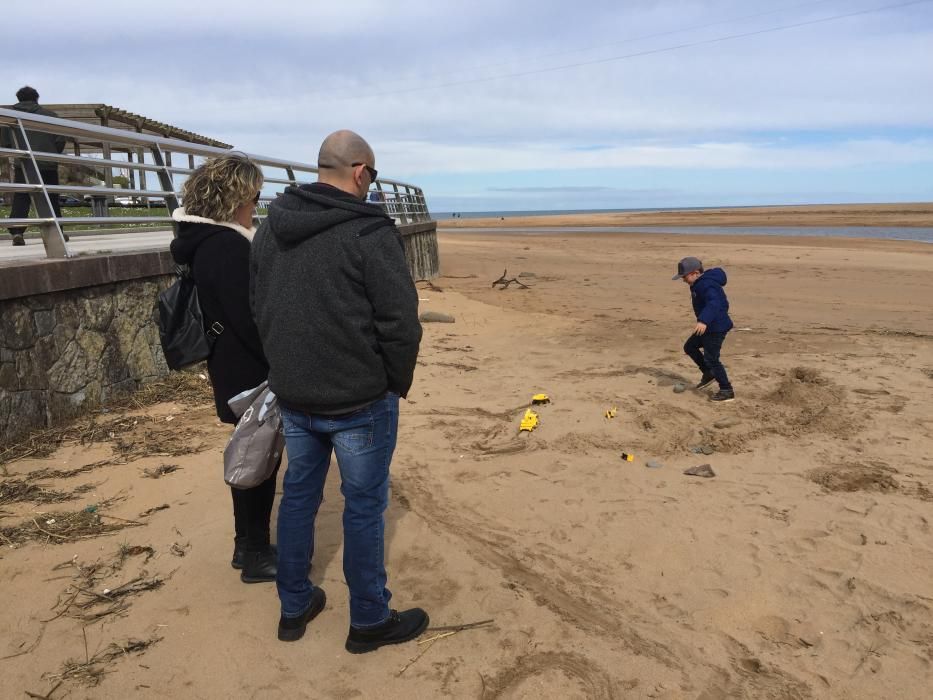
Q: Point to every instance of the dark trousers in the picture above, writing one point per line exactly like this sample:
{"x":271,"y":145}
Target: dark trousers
{"x":704,"y":350}
{"x":252,"y":510}
{"x":22,"y":200}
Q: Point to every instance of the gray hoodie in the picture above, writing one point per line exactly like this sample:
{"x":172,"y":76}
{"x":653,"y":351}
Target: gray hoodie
{"x":334,"y":301}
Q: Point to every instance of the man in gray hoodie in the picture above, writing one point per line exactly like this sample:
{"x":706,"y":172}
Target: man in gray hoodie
{"x":39,"y":141}
{"x":337,"y":313}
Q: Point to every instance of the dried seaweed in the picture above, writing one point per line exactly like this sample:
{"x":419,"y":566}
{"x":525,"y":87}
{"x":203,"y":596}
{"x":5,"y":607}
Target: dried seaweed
{"x":22,"y":491}
{"x":160,"y":471}
{"x":59,"y":527}
{"x":191,"y":388}
{"x":92,"y":670}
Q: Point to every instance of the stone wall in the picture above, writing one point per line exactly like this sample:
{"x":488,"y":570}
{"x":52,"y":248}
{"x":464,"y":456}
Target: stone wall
{"x":66,"y":352}
{"x":75,"y":333}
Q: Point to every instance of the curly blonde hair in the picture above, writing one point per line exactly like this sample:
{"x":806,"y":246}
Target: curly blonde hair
{"x":220,"y":186}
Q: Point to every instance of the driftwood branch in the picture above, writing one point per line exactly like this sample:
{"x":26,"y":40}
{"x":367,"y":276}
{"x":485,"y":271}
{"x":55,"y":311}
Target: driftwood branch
{"x":506,"y":282}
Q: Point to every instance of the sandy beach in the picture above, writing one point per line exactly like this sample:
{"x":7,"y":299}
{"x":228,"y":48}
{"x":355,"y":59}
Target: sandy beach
{"x":802,"y":569}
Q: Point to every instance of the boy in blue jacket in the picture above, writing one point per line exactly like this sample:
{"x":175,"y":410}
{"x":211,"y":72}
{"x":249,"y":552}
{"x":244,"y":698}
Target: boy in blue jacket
{"x":712,"y":311}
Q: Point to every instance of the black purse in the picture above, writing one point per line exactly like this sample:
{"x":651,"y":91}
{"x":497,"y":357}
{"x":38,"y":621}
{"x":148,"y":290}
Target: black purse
{"x":182,"y":325}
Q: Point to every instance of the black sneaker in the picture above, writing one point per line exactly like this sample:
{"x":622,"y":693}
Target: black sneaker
{"x":259,"y":567}
{"x":723,"y":395}
{"x":19,"y":240}
{"x":67,"y":237}
{"x":291,"y":629}
{"x":400,"y":627}
{"x":705,"y":380}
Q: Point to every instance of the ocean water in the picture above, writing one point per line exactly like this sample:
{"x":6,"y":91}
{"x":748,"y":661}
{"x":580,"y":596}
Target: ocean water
{"x":894,"y":233}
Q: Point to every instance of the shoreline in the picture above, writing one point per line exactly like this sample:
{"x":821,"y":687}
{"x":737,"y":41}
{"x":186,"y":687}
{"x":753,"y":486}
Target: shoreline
{"x":816,"y":215}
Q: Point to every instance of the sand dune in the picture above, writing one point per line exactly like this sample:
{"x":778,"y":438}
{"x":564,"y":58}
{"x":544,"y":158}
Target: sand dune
{"x":803,"y":569}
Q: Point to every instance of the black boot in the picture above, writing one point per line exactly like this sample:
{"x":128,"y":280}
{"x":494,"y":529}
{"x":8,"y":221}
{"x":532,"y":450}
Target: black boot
{"x":259,"y":567}
{"x":291,"y":629}
{"x":400,"y":627}
{"x":239,"y":552}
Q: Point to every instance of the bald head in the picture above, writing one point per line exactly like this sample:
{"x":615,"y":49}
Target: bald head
{"x":344,"y":148}
{"x":343,"y":162}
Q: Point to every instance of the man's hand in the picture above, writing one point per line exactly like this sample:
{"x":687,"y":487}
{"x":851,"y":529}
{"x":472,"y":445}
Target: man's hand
{"x":700,"y":328}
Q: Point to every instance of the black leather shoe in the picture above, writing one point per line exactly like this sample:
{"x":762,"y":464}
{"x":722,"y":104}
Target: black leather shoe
{"x":400,"y":627}
{"x":19,"y":240}
{"x":705,"y":380}
{"x":291,"y":629}
{"x":259,"y":567}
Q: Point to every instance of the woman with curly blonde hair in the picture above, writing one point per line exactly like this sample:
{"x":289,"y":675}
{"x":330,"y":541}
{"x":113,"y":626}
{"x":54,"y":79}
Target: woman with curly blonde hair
{"x":214,"y":233}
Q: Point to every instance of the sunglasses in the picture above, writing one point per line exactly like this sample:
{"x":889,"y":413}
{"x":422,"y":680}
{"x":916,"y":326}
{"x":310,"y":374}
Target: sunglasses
{"x":373,"y":173}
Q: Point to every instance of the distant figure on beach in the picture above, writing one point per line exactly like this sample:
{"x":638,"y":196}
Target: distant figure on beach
{"x":337,"y":311}
{"x":713,"y":323}
{"x":215,"y":228}
{"x":48,"y":170}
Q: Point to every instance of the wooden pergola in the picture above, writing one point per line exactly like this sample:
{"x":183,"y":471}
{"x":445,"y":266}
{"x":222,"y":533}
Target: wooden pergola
{"x":116,"y":118}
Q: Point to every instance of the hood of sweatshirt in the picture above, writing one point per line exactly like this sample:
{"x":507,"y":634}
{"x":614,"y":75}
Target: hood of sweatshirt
{"x":302,"y":212}
{"x":194,"y":230}
{"x":714,"y":275}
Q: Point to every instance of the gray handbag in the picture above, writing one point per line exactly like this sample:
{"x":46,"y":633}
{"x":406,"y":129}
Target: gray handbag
{"x":258,"y":441}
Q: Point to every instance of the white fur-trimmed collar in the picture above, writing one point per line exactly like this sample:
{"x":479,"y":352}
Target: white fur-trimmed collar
{"x":180,"y":216}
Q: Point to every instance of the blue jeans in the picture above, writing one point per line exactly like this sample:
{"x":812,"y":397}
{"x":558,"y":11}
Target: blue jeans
{"x":708,"y":359}
{"x":364,"y":441}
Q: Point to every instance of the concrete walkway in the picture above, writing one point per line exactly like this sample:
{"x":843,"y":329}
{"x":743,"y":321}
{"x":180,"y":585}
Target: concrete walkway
{"x":86,"y":244}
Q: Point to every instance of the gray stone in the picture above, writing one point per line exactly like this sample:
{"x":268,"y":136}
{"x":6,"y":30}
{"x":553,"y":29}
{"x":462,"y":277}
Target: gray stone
{"x":704,"y":470}
{"x":653,"y":464}
{"x":45,"y":321}
{"x":435,"y":317}
{"x":17,"y":328}
{"x":707,"y":449}
{"x":680,"y":388}
{"x":726,"y":423}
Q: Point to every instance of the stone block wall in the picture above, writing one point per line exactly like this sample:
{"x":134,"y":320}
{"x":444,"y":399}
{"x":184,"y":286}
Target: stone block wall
{"x":67,"y":352}
{"x":75,"y":333}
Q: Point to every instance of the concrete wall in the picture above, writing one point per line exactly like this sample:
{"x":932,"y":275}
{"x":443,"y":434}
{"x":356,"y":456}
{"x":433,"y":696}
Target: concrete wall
{"x":74,"y":333}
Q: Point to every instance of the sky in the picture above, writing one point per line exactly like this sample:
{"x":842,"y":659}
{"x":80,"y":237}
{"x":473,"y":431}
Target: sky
{"x":526,"y":104}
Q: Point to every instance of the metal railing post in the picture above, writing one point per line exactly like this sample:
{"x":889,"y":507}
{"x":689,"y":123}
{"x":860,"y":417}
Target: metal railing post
{"x":403,"y":210}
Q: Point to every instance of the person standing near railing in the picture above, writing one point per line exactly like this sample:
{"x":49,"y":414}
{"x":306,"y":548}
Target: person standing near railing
{"x":337,"y":312}
{"x":214,"y":233}
{"x":39,"y":142}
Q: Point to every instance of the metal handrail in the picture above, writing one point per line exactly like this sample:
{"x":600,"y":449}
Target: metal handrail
{"x":403,"y":201}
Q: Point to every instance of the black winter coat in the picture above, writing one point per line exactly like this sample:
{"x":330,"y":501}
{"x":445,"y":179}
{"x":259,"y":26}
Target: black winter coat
{"x":38,"y":140}
{"x":219,"y":258}
{"x":334,"y":300}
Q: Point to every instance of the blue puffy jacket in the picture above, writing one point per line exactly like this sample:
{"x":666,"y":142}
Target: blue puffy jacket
{"x":709,"y":300}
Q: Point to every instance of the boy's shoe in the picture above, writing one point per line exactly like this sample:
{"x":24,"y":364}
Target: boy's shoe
{"x":723,"y":395}
{"x":19,"y":240}
{"x":400,"y":627}
{"x":705,"y":380}
{"x":67,"y":237}
{"x":291,"y":629}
